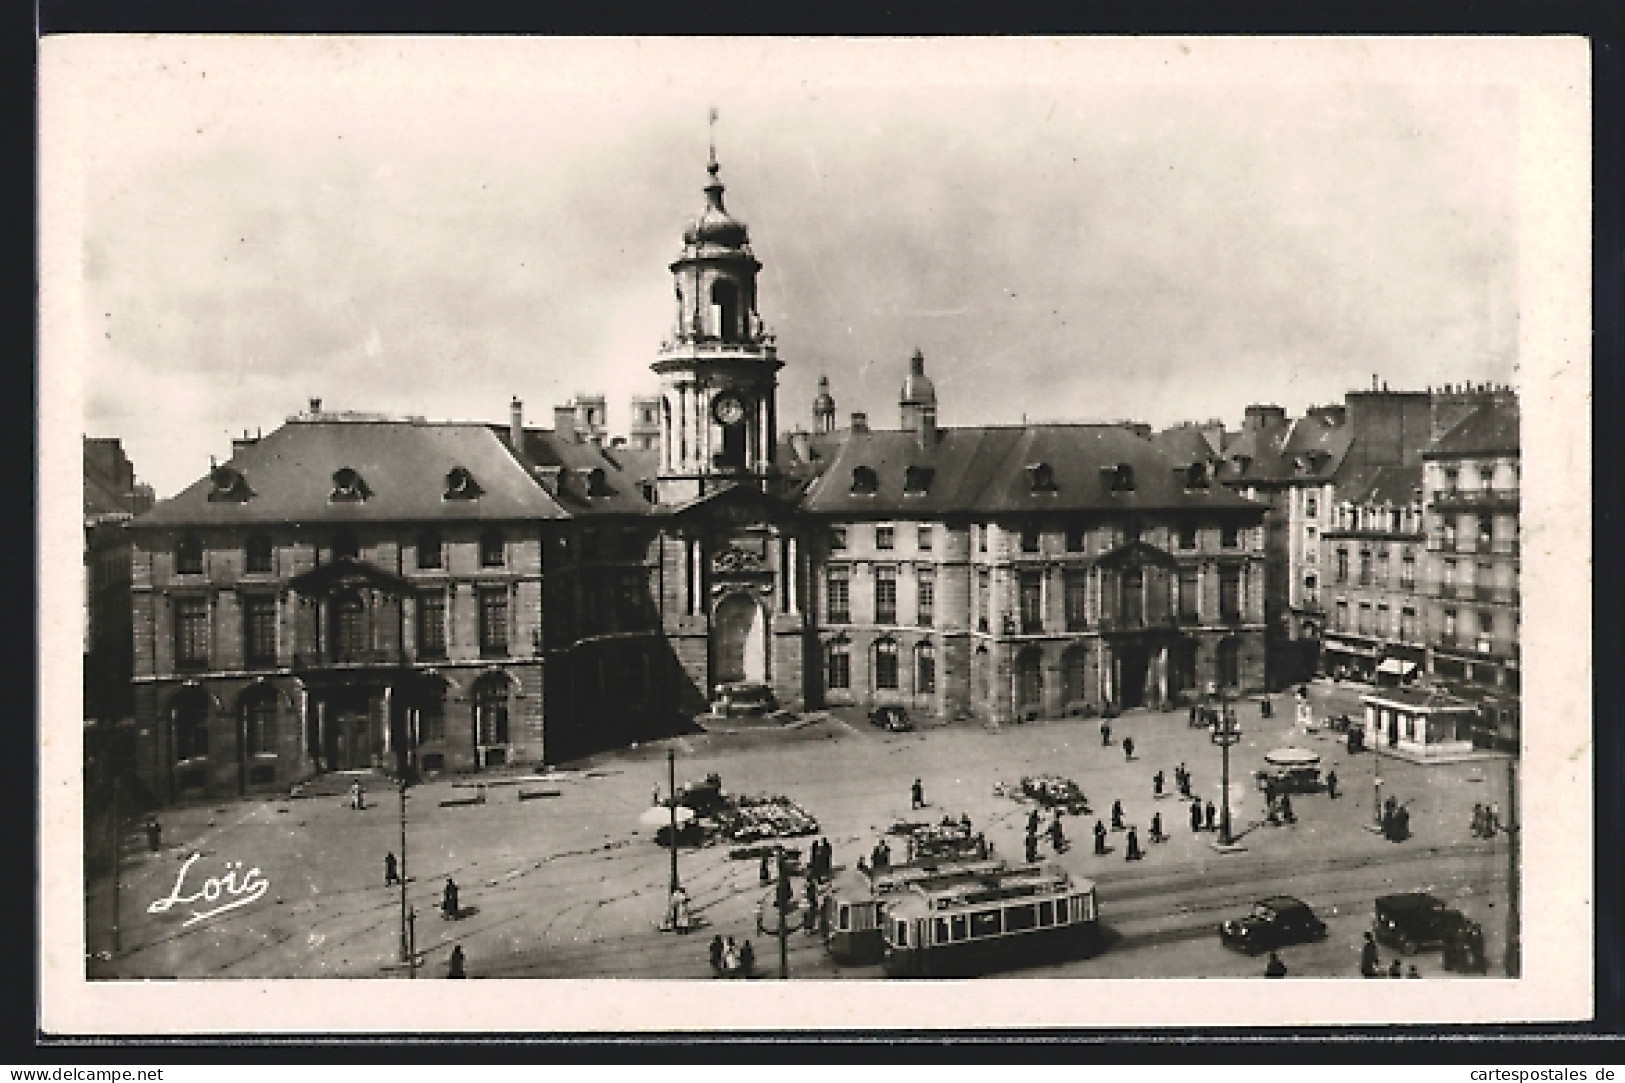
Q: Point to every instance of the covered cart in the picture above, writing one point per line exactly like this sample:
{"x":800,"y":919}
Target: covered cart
{"x":1291,"y":770}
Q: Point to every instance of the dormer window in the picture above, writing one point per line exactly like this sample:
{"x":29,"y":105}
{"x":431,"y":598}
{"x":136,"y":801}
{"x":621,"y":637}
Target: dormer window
{"x":348,"y":486}
{"x":229,"y":485}
{"x":460,"y":485}
{"x":917,"y":479}
{"x":1119,"y":478}
{"x":597,"y":482}
{"x":345,"y":545}
{"x":865,"y":480}
{"x":1196,"y":476}
{"x":1242,"y":463}
{"x":1040,"y":478}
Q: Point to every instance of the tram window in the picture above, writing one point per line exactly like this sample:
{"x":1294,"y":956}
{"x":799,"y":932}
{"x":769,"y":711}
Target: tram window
{"x":902,"y":934}
{"x":985,"y":923}
{"x":1017,"y":918}
{"x":843,"y":918}
{"x":942,"y":930}
{"x":960,"y":927}
{"x":1046,"y":913}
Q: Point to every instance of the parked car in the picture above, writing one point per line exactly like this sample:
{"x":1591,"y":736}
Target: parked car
{"x":1416,"y":920}
{"x":891,"y":718}
{"x":1273,"y":922}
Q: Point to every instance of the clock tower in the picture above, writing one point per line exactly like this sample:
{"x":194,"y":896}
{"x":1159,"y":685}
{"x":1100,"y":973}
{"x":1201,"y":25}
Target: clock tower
{"x":719,"y":370}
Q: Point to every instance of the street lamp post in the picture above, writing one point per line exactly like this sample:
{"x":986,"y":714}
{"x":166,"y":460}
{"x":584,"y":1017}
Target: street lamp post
{"x":1224,"y":779}
{"x":406,"y":933}
{"x":671,"y":800}
{"x":1514,"y":961}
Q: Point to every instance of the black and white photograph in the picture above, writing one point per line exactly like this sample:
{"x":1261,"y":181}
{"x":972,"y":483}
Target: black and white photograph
{"x":715,"y":512}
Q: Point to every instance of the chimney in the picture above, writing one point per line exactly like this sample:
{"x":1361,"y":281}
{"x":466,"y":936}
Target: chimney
{"x":516,"y":424}
{"x":564,"y":423}
{"x":241,"y":442}
{"x":315,"y":406}
{"x":860,"y":421}
{"x":1259,"y":416}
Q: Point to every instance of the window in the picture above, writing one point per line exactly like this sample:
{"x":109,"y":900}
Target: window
{"x":491,"y":549}
{"x":885,"y":537}
{"x":259,"y":719}
{"x":1383,"y":616}
{"x":1449,"y":627}
{"x":1342,"y":566}
{"x":961,"y":927}
{"x":837,"y":537}
{"x":491,"y":711}
{"x":916,"y":480}
{"x":429,"y":550}
{"x":349,"y":639}
{"x":1309,"y":584}
{"x":985,"y":923}
{"x":1077,"y":600}
{"x":1486,"y":531}
{"x":258,"y":554}
{"x":432,"y":624}
{"x":925,"y":538}
{"x":1407,"y":624}
{"x":259,"y":630}
{"x":1041,"y":478}
{"x":838,"y":595}
{"x":191,"y":633}
{"x":1122,"y":478}
{"x":1187,"y":534}
{"x":885,"y":595}
{"x":838,"y":665}
{"x":189,"y":556}
{"x":1230,"y":592}
{"x":346,"y":545}
{"x":1189,"y":593}
{"x":460,"y":485}
{"x":1029,"y":539}
{"x":1018,"y":918}
{"x":981,"y":537}
{"x":1365,"y":619}
{"x":1032,"y":602}
{"x":1365,"y":567}
{"x":984,"y":614}
{"x":1342,"y":621}
{"x":1311,"y":507}
{"x":1452,"y":479}
{"x":886,"y":665}
{"x":1230,"y":535}
{"x":925,"y":596}
{"x":1074,"y":539}
{"x":348,"y":487}
{"x":493,"y":623}
{"x":1046,"y":913}
{"x":864,"y":480}
{"x":925,"y":668}
{"x":191,"y":722}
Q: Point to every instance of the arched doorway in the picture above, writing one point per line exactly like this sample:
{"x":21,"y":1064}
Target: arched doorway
{"x":189,"y":739}
{"x":1229,"y":662}
{"x":491,"y":729}
{"x":1029,"y":681}
{"x":1074,"y":674}
{"x":738,"y":641}
{"x":1130,"y":659}
{"x":256,"y":737}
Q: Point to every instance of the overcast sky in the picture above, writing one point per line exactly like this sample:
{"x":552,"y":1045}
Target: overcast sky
{"x":1068,"y":230}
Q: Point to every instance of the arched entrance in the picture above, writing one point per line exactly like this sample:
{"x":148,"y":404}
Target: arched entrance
{"x":1229,"y":659}
{"x":1130,"y":659}
{"x":1029,"y":681}
{"x":1074,"y":675}
{"x":738,"y":641}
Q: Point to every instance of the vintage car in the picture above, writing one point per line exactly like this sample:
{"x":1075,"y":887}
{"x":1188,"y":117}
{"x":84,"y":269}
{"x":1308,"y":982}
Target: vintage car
{"x":1273,"y":922}
{"x":1416,"y":920}
{"x":743,"y":698}
{"x":891,"y":718}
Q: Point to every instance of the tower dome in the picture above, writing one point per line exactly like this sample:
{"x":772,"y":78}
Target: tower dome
{"x":715,"y":226}
{"x":917,"y":387}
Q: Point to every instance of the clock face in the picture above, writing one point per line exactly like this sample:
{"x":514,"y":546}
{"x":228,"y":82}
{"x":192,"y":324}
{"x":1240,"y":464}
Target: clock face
{"x":729,"y":410}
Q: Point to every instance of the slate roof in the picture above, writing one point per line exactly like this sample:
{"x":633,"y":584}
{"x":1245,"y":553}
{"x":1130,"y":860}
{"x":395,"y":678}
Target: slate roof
{"x":563,"y":467}
{"x":1396,"y":485}
{"x":1491,"y":429}
{"x":986,"y":471}
{"x":1274,"y":451}
{"x":404,"y":464}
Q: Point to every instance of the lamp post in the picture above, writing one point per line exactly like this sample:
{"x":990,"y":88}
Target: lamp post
{"x":1514,"y":961}
{"x":1225,"y":737}
{"x":407,"y":955}
{"x":671,"y":800}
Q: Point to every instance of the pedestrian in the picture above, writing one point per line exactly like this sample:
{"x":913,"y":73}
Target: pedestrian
{"x":1286,"y":809}
{"x":448,"y":899}
{"x":1402,"y":824}
{"x":1192,"y":722}
{"x":1275,"y":968}
{"x":1105,"y":733}
{"x":747,"y":960}
{"x":1393,"y":969}
{"x":1412,"y":972}
{"x":1369,"y":963}
{"x":863,"y":865}
{"x":1196,"y":815}
{"x":654,"y":797}
{"x":1057,"y":836}
{"x":1184,"y":781}
{"x":1032,"y":847}
{"x":1156,"y":828}
{"x":764,"y":873}
{"x":1156,"y":784}
{"x":1117,"y":815}
{"x":1100,"y":837}
{"x":1032,"y":822}
{"x":355,"y":796}
{"x":730,"y":958}
{"x":1331,"y":784}
{"x":1128,"y":748}
{"x":392,"y":872}
{"x":155,"y":834}
{"x":454,"y":968}
{"x":1493,"y":820}
{"x":809,"y":917}
{"x":716,"y":954}
{"x":918,"y":794}
{"x":1211,"y":812}
{"x":1134,"y":853}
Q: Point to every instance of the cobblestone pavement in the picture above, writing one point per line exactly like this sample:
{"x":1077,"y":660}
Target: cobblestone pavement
{"x":572,"y":886}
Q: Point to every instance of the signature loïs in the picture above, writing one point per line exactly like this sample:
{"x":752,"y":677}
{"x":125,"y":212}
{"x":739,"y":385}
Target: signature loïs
{"x":242,"y":887}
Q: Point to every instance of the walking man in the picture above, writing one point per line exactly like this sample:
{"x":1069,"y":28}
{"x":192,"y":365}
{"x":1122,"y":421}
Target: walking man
{"x":1286,"y":809}
{"x":1156,"y":828}
{"x":918,"y":794}
{"x":1156,"y":784}
{"x":747,"y":960}
{"x":1117,"y":815}
{"x":1134,"y":853}
{"x":1105,"y":733}
{"x":454,"y":969}
{"x":1100,"y":837}
{"x":1128,"y":748}
{"x":1211,"y":813}
{"x":1032,"y":822}
{"x":1196,"y":815}
{"x":392,"y":872}
{"x":1331,"y":784}
{"x":1370,"y":966}
{"x":716,"y":956}
{"x":448,"y":899}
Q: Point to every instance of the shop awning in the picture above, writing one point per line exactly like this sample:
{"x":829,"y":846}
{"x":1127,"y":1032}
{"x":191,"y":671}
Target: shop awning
{"x":1397,"y":666}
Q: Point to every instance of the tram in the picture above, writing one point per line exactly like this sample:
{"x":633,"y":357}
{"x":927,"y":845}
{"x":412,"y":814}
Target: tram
{"x":857,"y":899}
{"x":966,"y":922}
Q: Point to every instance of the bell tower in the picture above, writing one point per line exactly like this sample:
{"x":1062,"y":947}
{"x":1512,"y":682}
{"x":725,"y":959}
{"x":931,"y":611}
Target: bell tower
{"x":719,"y":370}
